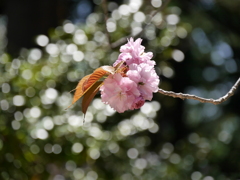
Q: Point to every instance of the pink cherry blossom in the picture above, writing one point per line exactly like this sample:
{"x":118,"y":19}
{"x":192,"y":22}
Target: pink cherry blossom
{"x":133,"y":52}
{"x":119,"y":92}
{"x":133,"y":47}
{"x":129,"y":90}
{"x":146,"y":79}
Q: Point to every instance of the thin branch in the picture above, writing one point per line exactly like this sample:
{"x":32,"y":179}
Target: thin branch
{"x":105,"y":10}
{"x":124,"y":39}
{"x":202,"y":100}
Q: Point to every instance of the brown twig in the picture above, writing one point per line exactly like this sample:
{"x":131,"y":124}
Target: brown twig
{"x":124,"y":39}
{"x":105,"y":10}
{"x":202,"y":100}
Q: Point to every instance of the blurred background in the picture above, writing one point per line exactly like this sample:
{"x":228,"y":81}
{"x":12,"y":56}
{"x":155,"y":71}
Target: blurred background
{"x":46,"y":47}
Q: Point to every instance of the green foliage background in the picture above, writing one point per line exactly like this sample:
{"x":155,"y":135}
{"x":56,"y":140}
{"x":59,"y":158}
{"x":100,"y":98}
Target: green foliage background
{"x":166,"y":139}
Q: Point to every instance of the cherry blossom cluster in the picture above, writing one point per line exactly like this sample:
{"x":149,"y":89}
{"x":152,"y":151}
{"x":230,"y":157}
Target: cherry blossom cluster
{"x":129,"y":91}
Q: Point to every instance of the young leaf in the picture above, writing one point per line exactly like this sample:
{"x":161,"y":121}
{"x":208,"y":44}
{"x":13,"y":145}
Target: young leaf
{"x":87,"y":82}
{"x":89,"y":95}
{"x":95,"y":76}
{"x":79,"y":89}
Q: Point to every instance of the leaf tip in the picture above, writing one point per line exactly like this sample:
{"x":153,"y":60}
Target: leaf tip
{"x":84,"y":115}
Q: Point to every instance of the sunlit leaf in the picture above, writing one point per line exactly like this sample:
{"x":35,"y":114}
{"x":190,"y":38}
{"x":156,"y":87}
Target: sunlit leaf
{"x":79,"y":89}
{"x":89,"y":81}
{"x":95,"y":76}
{"x":89,"y":95}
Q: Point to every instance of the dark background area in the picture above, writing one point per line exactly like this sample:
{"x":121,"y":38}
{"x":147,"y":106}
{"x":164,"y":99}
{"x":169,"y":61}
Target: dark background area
{"x":27,"y":19}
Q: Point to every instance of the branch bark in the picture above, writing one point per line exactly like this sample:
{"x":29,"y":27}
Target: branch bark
{"x":124,"y":39}
{"x":202,"y":100}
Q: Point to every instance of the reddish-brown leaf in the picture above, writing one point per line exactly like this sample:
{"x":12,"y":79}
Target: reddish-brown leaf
{"x":87,"y":82}
{"x":89,"y":95}
{"x":79,"y":89}
{"x":95,"y":76}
